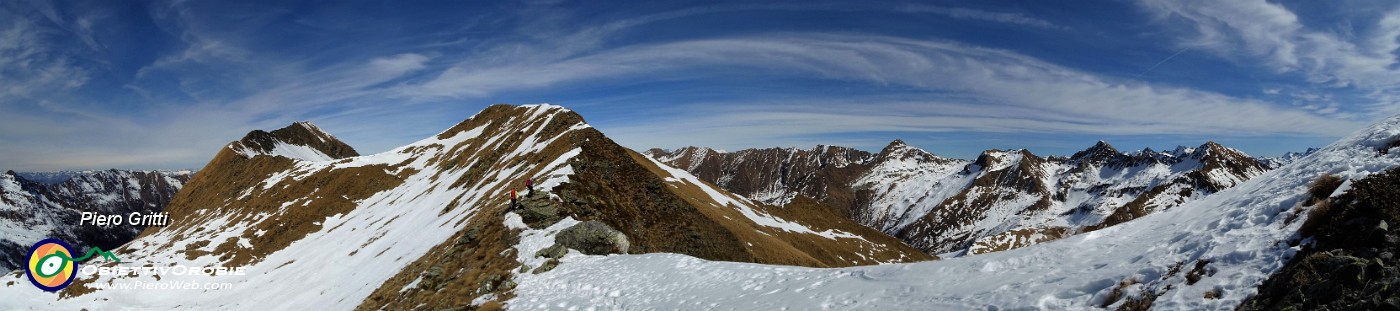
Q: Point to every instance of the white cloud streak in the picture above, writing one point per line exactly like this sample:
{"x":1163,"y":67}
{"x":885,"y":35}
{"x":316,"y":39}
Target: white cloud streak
{"x":1270,"y":34}
{"x":974,"y":14}
{"x":1011,"y":86}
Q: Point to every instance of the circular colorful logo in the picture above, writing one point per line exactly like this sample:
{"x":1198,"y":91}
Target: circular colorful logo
{"x":51,"y":266}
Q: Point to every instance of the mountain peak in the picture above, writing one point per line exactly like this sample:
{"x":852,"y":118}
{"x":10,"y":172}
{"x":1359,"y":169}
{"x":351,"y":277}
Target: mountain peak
{"x":896,"y":143}
{"x":301,"y":140}
{"x":897,"y":149}
{"x":1212,"y":148}
{"x":894,"y":146}
{"x":1099,"y":152}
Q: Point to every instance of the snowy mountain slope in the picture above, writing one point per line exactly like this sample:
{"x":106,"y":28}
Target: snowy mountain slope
{"x":1240,"y":236}
{"x":1004,"y":199}
{"x":424,"y":225}
{"x":893,"y":206}
{"x":1017,"y":199}
{"x":32,"y":211}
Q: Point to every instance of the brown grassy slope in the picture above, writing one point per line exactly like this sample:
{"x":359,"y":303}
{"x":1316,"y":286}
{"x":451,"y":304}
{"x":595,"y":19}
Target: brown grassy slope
{"x":217,"y":191}
{"x":617,"y":186}
{"x":880,"y":247}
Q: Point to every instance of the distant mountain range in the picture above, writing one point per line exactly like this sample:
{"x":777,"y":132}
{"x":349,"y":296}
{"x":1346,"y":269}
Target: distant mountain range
{"x":1003,"y":199}
{"x":50,"y":208}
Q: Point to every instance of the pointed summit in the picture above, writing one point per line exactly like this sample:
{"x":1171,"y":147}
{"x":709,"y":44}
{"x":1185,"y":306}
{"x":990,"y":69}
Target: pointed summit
{"x":301,"y":140}
{"x":898,"y":150}
{"x":1100,"y":152}
{"x":1233,"y":166}
{"x":895,"y":146}
{"x":1212,"y":148}
{"x":896,"y":143}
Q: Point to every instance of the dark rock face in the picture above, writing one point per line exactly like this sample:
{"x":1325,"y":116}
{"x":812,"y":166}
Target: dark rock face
{"x":776,"y":175}
{"x":35,"y":211}
{"x":1351,"y":263}
{"x":593,"y":238}
{"x":1100,"y":153}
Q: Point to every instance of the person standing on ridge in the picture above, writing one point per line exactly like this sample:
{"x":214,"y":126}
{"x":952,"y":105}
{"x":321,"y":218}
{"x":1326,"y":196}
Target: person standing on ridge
{"x":529,"y":186}
{"x":513,"y":202}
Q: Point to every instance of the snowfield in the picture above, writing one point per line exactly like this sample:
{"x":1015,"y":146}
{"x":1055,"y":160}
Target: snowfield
{"x":1241,"y":231}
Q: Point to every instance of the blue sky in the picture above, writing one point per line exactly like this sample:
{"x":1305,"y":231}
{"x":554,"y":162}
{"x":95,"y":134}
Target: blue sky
{"x":126,"y":84}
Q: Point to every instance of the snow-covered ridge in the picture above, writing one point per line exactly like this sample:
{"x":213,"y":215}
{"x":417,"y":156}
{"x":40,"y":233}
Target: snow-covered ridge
{"x":290,"y":151}
{"x":1241,"y":231}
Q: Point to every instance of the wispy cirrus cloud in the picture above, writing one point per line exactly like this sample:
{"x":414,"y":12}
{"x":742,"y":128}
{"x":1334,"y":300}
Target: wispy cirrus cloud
{"x":722,"y":74}
{"x":1034,"y":95}
{"x":224,"y":90}
{"x":31,"y":64}
{"x":1359,"y":54}
{"x":975,"y":14}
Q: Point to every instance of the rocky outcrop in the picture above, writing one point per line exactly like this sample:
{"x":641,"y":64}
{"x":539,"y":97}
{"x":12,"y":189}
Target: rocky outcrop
{"x":593,"y":238}
{"x":1351,"y":262}
{"x":538,"y":211}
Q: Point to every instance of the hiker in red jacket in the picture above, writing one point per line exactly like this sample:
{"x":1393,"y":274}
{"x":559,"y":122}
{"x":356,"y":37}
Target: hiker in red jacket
{"x":513,"y":203}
